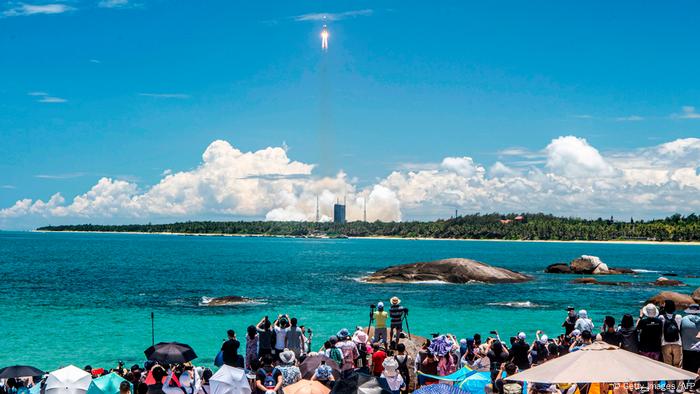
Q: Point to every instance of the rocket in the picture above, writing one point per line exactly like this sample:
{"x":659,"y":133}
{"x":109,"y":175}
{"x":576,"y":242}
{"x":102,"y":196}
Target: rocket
{"x":324,"y":38}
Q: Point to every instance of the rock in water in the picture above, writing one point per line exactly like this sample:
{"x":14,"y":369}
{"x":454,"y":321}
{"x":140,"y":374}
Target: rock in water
{"x":594,"y":281}
{"x":681,"y":300}
{"x":558,"y":268}
{"x":224,"y":301}
{"x":589,"y":265}
{"x":586,"y":265}
{"x":696,"y":295}
{"x":667,"y":282}
{"x":454,"y":270}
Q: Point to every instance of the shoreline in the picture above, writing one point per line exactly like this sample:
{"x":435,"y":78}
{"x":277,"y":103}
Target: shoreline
{"x":612,"y":242}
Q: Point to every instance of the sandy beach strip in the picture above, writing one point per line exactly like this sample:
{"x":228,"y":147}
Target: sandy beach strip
{"x":620,"y":242}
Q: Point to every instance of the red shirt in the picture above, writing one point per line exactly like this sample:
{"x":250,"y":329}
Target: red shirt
{"x":377,"y":360}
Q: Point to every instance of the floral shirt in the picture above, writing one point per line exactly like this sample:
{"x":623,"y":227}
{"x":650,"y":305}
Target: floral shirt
{"x":290,"y":374}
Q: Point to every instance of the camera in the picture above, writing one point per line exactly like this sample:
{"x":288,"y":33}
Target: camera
{"x":372,"y":306}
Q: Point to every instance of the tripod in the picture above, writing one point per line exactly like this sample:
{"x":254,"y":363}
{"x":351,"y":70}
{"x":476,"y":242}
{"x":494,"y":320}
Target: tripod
{"x":371,"y":318}
{"x":405,"y":319}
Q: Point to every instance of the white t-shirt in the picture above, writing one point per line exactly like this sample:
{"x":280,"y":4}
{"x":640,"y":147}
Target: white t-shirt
{"x":679,"y":319}
{"x":281,"y":334}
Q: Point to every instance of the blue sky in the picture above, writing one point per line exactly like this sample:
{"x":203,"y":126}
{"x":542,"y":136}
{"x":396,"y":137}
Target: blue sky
{"x":127,"y":90}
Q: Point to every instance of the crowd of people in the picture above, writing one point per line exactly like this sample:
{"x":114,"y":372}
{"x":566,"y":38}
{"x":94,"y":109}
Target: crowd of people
{"x":274,"y":351}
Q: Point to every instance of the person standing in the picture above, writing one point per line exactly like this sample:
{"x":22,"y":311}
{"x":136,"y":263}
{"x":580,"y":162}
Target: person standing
{"x":251,"y":346}
{"x":519,"y":352}
{"x":609,"y":334}
{"x":294,"y":338}
{"x":266,"y":337}
{"x":396,"y":313}
{"x":570,"y":321}
{"x":230,"y":349}
{"x":671,"y":344}
{"x":378,"y":357}
{"x":583,"y":323}
{"x":649,"y":327}
{"x":690,"y":327}
{"x":280,"y":327}
{"x":348,"y":349}
{"x":403,"y":359}
{"x":158,"y":374}
{"x":307,"y":337}
{"x":629,"y":334}
{"x":379,"y":316}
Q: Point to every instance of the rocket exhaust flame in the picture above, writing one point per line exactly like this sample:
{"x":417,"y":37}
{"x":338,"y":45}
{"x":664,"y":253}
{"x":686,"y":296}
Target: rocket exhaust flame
{"x":324,"y":38}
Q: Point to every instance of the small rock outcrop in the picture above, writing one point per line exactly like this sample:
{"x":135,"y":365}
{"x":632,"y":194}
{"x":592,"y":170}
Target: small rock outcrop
{"x":696,"y":295}
{"x":224,"y":301}
{"x":454,"y":270}
{"x":681,"y":300}
{"x":667,"y":282}
{"x":585,"y":265}
{"x":594,"y":281}
{"x":558,"y":268}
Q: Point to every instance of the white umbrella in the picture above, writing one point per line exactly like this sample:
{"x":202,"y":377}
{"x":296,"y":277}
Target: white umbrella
{"x":228,"y":380}
{"x":602,"y":363}
{"x":68,"y":380}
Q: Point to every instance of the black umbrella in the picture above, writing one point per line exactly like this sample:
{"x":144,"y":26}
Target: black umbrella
{"x":18,"y":371}
{"x":170,"y":353}
{"x":311,"y":363}
{"x":359,"y":383}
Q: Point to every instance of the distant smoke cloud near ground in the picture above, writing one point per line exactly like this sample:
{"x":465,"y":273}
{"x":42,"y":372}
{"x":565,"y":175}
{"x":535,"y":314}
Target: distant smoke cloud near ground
{"x":568,"y":176}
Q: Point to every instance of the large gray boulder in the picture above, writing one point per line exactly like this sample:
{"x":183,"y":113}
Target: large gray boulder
{"x":454,"y":270}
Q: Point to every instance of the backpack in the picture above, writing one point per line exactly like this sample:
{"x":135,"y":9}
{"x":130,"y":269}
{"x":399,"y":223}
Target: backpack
{"x":336,"y":356}
{"x":270,"y":381}
{"x":512,"y":388}
{"x":671,"y":331}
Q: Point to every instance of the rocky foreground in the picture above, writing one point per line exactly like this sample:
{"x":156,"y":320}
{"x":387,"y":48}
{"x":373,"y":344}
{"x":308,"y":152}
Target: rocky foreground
{"x":455,"y":270}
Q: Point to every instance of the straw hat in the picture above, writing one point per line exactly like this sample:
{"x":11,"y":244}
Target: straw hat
{"x":395,"y":301}
{"x":391,"y":367}
{"x":287,"y":356}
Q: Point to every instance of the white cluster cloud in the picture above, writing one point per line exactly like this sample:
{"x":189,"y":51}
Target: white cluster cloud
{"x":331,"y":16}
{"x":43,"y":97}
{"x":571,"y":177}
{"x":24,"y":9}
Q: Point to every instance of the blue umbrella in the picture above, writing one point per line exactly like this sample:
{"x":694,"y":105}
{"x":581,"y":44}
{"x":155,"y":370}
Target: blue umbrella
{"x":107,"y":384}
{"x":475,"y":382}
{"x":439,"y":388}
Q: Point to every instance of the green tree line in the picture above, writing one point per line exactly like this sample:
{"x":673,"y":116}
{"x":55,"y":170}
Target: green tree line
{"x":536,"y":226}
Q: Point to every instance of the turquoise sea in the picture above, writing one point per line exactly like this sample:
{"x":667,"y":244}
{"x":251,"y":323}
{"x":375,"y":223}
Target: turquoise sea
{"x":87,"y":298}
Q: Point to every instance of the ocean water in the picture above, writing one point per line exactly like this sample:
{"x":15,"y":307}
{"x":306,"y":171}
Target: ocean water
{"x":87,"y":298}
